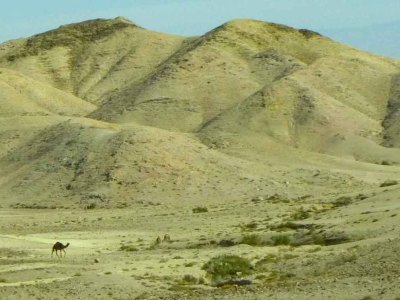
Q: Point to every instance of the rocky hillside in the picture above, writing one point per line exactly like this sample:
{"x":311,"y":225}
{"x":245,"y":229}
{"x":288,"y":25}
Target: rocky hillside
{"x":107,"y":113}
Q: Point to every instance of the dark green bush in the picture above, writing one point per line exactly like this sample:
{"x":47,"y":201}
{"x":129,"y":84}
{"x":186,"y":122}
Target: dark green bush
{"x":226,"y":268}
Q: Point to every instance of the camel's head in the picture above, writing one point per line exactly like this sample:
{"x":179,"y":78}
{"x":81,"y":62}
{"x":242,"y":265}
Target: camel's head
{"x":66,"y":245}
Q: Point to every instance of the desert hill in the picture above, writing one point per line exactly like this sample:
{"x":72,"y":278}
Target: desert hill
{"x":105,"y":111}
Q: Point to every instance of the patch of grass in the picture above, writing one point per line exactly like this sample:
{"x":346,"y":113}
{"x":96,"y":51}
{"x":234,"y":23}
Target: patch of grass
{"x":252,"y":240}
{"x":29,"y":206}
{"x":301,"y":214}
{"x":91,"y":206}
{"x":342,"y":201}
{"x":361,"y":197}
{"x":3,"y":280}
{"x":190,"y":264}
{"x":320,"y":238}
{"x":128,"y":248}
{"x":281,"y":239}
{"x":389,"y":183}
{"x":189,"y":279}
{"x":178,"y":288}
{"x":249,"y":226}
{"x":225,"y":268}
{"x":226,"y":243}
{"x":309,"y":33}
{"x":268,"y":259}
{"x":276,"y":198}
{"x":293,"y":226}
{"x":367,"y":298}
{"x":276,"y":276}
{"x":200,"y":209}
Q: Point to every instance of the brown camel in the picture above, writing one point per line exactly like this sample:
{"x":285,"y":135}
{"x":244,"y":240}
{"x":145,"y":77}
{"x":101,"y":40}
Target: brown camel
{"x":59,"y":247}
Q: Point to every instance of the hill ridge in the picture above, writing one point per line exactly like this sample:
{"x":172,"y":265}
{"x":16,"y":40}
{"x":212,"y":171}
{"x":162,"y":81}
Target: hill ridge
{"x":163,"y":116}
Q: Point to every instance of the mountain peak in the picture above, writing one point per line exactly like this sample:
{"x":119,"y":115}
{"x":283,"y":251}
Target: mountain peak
{"x":256,"y":24}
{"x":72,"y":35}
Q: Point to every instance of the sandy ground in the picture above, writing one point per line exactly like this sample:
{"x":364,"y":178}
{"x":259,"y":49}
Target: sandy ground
{"x":364,"y":266}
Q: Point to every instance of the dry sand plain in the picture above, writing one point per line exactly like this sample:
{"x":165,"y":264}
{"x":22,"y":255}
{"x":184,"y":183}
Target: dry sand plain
{"x":354,"y":257}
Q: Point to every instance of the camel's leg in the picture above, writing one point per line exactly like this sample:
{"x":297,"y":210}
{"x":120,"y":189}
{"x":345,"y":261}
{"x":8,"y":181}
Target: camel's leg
{"x":65,"y":253}
{"x":52,"y":251}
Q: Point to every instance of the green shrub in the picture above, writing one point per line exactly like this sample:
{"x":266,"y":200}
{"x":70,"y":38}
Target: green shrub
{"x":301,"y":214}
{"x":91,"y":206}
{"x":225,"y":268}
{"x":249,"y":226}
{"x":251,"y":239}
{"x":128,"y":248}
{"x":280,"y":239}
{"x":200,"y":209}
{"x":190,"y":264}
{"x":226,"y":243}
{"x":342,"y":201}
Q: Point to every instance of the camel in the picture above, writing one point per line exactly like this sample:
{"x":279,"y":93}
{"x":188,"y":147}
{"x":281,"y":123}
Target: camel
{"x":167,"y":238}
{"x":158,"y":240}
{"x":59,"y":247}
